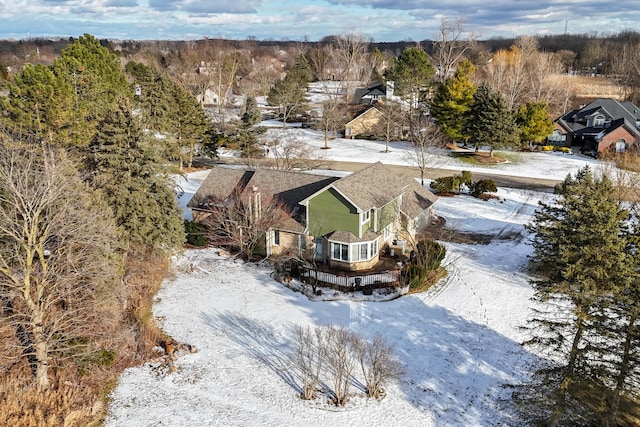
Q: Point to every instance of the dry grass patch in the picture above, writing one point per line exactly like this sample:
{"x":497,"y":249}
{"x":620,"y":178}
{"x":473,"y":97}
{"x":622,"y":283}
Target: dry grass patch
{"x":595,"y":87}
{"x":80,"y":387}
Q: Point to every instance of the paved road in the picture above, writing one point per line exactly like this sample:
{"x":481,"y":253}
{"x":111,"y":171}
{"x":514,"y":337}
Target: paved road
{"x":525,"y":183}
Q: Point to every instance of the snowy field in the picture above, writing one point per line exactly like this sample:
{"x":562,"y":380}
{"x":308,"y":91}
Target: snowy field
{"x":459,"y":342}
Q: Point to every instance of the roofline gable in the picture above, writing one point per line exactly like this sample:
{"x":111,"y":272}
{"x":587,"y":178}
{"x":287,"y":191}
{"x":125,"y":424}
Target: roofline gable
{"x":305,"y":202}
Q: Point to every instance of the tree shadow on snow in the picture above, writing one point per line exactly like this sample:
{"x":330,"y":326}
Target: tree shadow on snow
{"x":459,"y":370}
{"x":260,"y":341}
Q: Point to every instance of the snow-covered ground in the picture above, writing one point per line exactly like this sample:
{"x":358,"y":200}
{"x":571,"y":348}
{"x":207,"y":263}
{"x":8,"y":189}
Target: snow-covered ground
{"x":459,"y":341}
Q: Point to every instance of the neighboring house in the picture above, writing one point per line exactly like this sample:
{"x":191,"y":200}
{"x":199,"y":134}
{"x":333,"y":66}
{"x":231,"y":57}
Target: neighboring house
{"x":371,"y":94}
{"x":343,"y":222}
{"x":364,"y":122}
{"x":210,"y":97}
{"x":604,"y":124}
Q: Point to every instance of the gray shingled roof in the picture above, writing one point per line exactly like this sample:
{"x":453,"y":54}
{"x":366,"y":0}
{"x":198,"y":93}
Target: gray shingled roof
{"x":377,"y":185}
{"x":218,"y":185}
{"x":289,"y":187}
{"x":620,"y":113}
{"x":348,"y":237}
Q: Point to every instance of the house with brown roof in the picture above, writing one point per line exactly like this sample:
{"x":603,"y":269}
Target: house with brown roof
{"x":364,"y":122}
{"x":342,"y":222}
{"x":225,"y":186}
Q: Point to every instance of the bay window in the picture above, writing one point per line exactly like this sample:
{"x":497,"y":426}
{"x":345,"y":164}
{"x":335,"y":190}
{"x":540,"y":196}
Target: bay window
{"x":361,"y":251}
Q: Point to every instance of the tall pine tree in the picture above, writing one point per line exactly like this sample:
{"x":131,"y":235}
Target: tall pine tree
{"x":453,"y":99}
{"x":169,"y":108}
{"x":40,"y":104}
{"x":489,"y":123}
{"x":94,"y":73}
{"x":128,"y":173}
{"x":580,"y":259}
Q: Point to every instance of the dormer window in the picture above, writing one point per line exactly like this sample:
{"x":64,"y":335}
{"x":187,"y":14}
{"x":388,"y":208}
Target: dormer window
{"x":598,"y":121}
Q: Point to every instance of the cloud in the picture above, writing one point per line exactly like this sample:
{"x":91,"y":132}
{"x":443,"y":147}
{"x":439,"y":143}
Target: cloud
{"x":503,"y":12}
{"x":379,"y":20}
{"x":121,"y":3}
{"x":206,"y":7}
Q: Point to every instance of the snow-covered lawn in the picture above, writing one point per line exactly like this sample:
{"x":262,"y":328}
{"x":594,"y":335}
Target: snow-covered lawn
{"x":459,"y":342}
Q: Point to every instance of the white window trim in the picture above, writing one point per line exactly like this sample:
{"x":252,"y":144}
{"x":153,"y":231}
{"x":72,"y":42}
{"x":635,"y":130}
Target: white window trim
{"x":351,"y":247}
{"x":365,"y":217}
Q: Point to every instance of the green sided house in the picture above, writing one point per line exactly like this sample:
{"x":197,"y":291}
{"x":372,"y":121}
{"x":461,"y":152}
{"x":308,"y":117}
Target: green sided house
{"x":342,"y":222}
{"x":352,"y":219}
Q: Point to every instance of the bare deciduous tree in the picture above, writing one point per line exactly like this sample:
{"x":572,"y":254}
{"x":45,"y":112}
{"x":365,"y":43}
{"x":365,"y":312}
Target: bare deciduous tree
{"x":265,"y":72}
{"x":241,"y":221}
{"x":390,"y":124}
{"x":332,"y":118}
{"x":451,"y":45}
{"x":426,"y":137}
{"x":348,"y":54}
{"x":309,"y":356}
{"x":289,"y":151}
{"x":340,"y":360}
{"x":56,"y":259}
{"x":378,"y":364}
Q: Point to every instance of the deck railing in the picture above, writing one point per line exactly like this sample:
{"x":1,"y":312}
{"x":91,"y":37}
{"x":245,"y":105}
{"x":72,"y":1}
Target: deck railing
{"x":353,"y":283}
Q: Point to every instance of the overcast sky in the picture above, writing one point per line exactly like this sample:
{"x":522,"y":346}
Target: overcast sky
{"x":379,"y":20}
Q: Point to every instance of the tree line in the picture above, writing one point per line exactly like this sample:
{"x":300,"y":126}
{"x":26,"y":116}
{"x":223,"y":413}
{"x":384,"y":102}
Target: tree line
{"x":88,"y":210}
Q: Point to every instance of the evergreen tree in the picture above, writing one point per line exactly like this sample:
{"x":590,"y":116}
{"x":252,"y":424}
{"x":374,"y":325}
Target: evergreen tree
{"x":190,"y":123}
{"x":580,"y":260}
{"x":130,"y":176}
{"x":301,"y":70}
{"x":288,"y":95}
{"x":489,"y":122}
{"x":250,"y":113}
{"x":453,"y":99}
{"x":94,"y":73}
{"x":412,"y":73}
{"x":533,"y":121}
{"x":169,"y":108}
{"x":40,"y":104}
{"x":618,"y":354}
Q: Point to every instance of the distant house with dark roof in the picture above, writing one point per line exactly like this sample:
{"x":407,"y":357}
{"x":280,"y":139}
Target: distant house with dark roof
{"x":373,"y":93}
{"x":604,"y":124}
{"x":369,"y":95}
{"x":344,"y":222}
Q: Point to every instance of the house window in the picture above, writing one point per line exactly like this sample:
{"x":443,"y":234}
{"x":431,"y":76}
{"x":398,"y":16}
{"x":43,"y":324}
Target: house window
{"x":387,"y":233}
{"x":363,"y":251}
{"x":557,"y":136}
{"x":365,"y":217}
{"x":598,"y":121}
{"x":276,"y":237}
{"x":340,"y":251}
{"x":621,"y":146}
